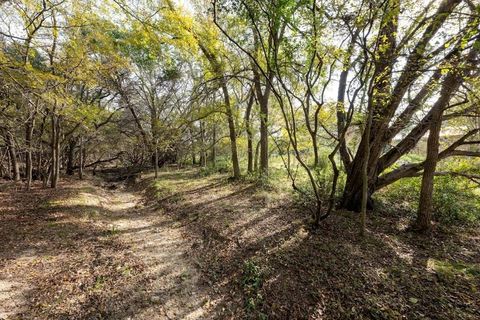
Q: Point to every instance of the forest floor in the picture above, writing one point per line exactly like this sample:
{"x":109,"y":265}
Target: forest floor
{"x":192,"y":247}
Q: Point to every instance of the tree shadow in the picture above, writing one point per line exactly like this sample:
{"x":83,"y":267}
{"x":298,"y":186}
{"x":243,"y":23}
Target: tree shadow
{"x":85,"y":271}
{"x":331,"y":273}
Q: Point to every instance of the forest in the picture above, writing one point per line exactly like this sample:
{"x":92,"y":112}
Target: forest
{"x":239,"y":159}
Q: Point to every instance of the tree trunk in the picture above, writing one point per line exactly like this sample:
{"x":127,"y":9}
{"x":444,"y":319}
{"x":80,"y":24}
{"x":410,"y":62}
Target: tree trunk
{"x":424,"y":216}
{"x":255,"y":162}
{"x":248,"y":127}
{"x":316,"y":157}
{"x":232,"y":132}
{"x":71,"y":156}
{"x":365,"y":194}
{"x":156,"y":160}
{"x":213,"y":154}
{"x":29,"y":160}
{"x":55,"y":150}
{"x":80,"y":159}
{"x":264,"y":135}
{"x":203,"y":153}
{"x":379,"y":98}
{"x":13,"y":155}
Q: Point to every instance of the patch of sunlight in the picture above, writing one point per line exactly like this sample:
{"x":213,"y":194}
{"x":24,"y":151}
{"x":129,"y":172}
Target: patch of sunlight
{"x":292,"y":241}
{"x":83,"y":198}
{"x":12,"y":297}
{"x":451,"y":269}
{"x":402,"y":251}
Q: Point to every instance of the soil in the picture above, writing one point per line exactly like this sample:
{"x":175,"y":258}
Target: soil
{"x":188,"y":246}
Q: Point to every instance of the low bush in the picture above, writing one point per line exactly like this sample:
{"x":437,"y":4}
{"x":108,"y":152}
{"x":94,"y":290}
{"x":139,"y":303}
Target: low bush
{"x":455,"y":200}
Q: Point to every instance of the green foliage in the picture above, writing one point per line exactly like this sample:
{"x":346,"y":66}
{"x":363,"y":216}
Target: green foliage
{"x":448,"y":270}
{"x":252,"y":281}
{"x":222,"y":165}
{"x":455,"y":200}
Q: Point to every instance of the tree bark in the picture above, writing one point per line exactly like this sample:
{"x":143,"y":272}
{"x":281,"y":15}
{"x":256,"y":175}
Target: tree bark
{"x":156,"y":160}
{"x":55,"y":150}
{"x":232,"y":132}
{"x":13,"y":155}
{"x":71,"y":156}
{"x":80,"y":159}
{"x":248,"y":127}
{"x":255,"y":162}
{"x":213,"y":154}
{"x":379,"y":93}
{"x":28,"y":142}
{"x":203,"y":153}
{"x":263,"y":97}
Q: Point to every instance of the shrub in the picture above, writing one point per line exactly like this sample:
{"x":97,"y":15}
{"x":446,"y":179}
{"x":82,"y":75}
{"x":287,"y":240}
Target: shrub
{"x":252,"y":281}
{"x":455,"y":200}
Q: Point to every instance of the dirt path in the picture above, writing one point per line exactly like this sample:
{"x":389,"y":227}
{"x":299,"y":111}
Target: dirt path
{"x":176,"y":291}
{"x":86,"y":252}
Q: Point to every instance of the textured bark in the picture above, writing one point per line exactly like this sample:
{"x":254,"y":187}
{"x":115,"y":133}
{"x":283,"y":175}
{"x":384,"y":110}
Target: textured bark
{"x":385,"y":101}
{"x":424,"y":216}
{"x":379,"y":98}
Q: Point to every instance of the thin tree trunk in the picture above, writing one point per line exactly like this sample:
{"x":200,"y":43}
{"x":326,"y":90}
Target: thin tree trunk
{"x":71,"y":156}
{"x":55,"y":146}
{"x":156,"y":160}
{"x":316,"y":158}
{"x":365,"y":187}
{"x":213,"y":154}
{"x":9,"y":163}
{"x":29,"y":160}
{"x":13,"y":155}
{"x":232,"y":132}
{"x":264,"y":136}
{"x":203,"y":153}
{"x":255,"y":163}
{"x":248,"y":126}
{"x":80,"y":159}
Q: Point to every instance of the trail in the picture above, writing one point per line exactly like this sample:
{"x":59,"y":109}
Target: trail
{"x":75,"y":253}
{"x":176,"y":291}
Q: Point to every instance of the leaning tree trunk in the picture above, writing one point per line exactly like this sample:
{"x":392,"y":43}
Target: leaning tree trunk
{"x":424,"y":217}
